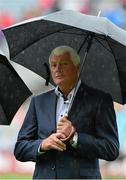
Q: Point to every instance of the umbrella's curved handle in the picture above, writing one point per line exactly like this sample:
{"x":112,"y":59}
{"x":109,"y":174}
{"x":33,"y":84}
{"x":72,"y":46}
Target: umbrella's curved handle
{"x":47,"y":74}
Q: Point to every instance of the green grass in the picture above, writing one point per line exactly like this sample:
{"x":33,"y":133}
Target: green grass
{"x":29,"y":177}
{"x":15,"y":176}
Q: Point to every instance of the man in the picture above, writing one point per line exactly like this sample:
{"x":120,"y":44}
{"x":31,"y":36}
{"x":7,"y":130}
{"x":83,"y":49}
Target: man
{"x":65,"y":142}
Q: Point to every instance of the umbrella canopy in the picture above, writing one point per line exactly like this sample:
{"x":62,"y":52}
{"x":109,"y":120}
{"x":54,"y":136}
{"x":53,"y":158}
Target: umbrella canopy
{"x":30,"y":43}
{"x":13,"y":91}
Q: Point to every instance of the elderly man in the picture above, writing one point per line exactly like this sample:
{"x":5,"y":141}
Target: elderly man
{"x":67,"y":144}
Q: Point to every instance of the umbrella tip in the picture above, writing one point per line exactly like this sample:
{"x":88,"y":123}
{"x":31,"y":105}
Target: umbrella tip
{"x":99,"y":13}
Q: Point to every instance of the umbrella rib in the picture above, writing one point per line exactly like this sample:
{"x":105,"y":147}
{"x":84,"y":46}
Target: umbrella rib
{"x":110,"y":47}
{"x":110,"y":50}
{"x":82,"y":44}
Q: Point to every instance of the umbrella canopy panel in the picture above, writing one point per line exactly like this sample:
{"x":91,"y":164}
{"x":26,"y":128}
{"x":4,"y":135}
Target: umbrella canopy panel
{"x":34,"y":41}
{"x":13,"y":91}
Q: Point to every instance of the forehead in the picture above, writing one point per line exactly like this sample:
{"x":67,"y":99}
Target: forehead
{"x":63,"y":57}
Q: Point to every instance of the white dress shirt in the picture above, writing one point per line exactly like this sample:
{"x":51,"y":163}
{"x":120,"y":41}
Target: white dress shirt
{"x":64,"y":103}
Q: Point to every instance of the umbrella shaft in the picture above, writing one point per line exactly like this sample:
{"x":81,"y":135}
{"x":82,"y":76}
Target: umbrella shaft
{"x":89,"y":43}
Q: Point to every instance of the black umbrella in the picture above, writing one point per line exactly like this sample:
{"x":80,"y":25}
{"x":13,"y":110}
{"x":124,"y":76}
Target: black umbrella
{"x":31,"y":42}
{"x":13,"y":91}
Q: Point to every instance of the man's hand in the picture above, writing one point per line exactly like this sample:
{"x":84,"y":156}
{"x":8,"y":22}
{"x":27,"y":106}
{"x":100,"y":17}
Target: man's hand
{"x":53,"y":142}
{"x":65,"y":127}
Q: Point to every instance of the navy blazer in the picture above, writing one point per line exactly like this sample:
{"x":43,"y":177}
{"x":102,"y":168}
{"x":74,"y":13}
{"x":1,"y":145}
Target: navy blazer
{"x":93,"y":116}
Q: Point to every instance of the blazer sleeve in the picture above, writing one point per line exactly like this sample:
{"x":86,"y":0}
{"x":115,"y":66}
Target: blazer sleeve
{"x":26,"y":148}
{"x":104,"y":143}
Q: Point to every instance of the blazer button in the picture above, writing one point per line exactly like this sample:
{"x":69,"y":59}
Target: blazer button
{"x":53,"y":167}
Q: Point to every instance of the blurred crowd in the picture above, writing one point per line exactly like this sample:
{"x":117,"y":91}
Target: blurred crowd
{"x":13,"y":12}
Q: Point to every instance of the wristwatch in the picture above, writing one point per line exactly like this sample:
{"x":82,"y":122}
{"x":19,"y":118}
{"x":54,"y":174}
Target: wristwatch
{"x":73,"y":140}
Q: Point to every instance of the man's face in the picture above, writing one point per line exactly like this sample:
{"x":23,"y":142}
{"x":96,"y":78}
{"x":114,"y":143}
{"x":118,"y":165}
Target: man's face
{"x":64,"y":72}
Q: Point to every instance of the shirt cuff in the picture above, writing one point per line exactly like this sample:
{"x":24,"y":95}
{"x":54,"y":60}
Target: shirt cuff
{"x":74,"y":140}
{"x":39,"y":150}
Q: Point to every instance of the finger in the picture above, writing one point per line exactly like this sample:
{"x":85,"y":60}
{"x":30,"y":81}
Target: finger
{"x":60,"y":135}
{"x":59,"y":143}
{"x":60,"y":123}
{"x":65,"y":139}
{"x":61,"y":127}
{"x":59,"y":130}
{"x":54,"y":146}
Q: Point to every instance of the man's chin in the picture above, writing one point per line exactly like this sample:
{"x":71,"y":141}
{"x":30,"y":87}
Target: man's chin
{"x":58,"y":82}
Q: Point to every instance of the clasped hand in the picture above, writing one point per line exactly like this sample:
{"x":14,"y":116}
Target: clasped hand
{"x":65,"y":127}
{"x":64,"y":132}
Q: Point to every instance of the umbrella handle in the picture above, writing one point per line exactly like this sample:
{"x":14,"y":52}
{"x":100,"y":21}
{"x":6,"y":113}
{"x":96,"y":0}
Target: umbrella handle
{"x":47,"y":74}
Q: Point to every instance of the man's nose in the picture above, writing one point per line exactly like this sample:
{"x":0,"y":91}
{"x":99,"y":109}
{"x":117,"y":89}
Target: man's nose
{"x":58,"y":66}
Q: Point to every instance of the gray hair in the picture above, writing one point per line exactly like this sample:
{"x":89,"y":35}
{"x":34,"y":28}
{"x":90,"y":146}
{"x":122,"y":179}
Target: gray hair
{"x":63,"y":49}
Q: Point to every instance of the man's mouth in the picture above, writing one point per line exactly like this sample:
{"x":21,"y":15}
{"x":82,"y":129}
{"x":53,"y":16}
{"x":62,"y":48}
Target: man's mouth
{"x":59,"y":76}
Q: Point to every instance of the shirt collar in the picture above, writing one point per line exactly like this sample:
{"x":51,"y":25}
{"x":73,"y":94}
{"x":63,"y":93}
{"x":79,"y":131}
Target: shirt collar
{"x":59,"y":93}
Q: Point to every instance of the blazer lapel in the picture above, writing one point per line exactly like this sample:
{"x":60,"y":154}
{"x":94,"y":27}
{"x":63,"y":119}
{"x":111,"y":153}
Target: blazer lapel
{"x":75,"y":108}
{"x":52,"y":110}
